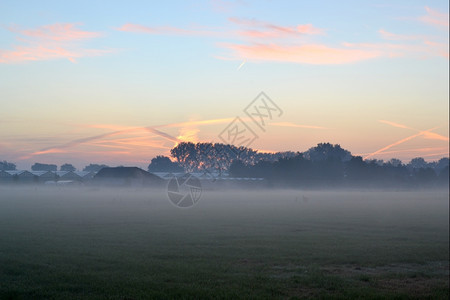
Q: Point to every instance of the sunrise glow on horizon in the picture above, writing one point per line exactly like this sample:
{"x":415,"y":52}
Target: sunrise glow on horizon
{"x":122,"y":82}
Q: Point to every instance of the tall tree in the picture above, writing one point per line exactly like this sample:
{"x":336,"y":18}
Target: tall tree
{"x":323,"y":151}
{"x":164,"y":164}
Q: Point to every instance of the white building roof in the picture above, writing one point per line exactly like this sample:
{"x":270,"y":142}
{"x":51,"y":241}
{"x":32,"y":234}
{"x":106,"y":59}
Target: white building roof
{"x":41,"y":173}
{"x":19,"y":172}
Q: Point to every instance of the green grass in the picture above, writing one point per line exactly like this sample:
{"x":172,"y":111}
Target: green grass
{"x":133,"y":244}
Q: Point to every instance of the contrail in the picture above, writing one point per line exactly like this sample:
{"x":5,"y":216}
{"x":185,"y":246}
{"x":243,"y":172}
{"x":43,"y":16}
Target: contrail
{"x":151,"y":129}
{"x":427,"y":135}
{"x":394,"y":124}
{"x":162,"y":134}
{"x":400,"y":142}
{"x":241,"y":65}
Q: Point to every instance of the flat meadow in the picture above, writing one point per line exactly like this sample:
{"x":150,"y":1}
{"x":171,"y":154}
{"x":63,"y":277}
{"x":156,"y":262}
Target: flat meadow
{"x":132,"y":243}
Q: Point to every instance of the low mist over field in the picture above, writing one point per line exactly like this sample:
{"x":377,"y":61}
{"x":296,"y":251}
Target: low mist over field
{"x":132,"y":243}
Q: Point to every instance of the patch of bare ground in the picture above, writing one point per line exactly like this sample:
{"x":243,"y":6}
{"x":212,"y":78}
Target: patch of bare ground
{"x":429,"y":280}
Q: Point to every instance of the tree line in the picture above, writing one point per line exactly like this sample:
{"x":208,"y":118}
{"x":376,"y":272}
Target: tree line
{"x":323,"y":163}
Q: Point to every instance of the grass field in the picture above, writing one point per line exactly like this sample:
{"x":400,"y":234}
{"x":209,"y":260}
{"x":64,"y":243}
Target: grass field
{"x":133,"y":244}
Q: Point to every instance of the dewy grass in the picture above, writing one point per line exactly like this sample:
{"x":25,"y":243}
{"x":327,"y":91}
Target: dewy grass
{"x":133,"y":244}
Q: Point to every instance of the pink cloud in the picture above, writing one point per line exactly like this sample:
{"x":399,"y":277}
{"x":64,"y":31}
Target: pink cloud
{"x":36,"y":53}
{"x":309,"y":54}
{"x":251,"y":29}
{"x":57,"y":32}
{"x":260,"y":29}
{"x":309,"y":29}
{"x":438,"y":48}
{"x":264,"y":41}
{"x":48,"y":42}
{"x":166,"y":30}
{"x":435,"y":18}
{"x":397,"y":37}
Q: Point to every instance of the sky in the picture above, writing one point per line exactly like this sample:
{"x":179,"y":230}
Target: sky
{"x":119,"y":82}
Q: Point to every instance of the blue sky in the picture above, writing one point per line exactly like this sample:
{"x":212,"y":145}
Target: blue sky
{"x":338,"y":70}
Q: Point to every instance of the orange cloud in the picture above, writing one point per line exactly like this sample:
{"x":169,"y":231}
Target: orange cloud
{"x":187,"y":133}
{"x":50,"y":42}
{"x":435,"y":136}
{"x":435,"y":18}
{"x":309,"y":54}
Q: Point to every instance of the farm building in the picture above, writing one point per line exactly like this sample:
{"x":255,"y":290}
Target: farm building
{"x":167,"y":175}
{"x":43,"y":176}
{"x":5,"y":177}
{"x":67,"y":175}
{"x":126,"y":176}
{"x":21,"y":176}
{"x":85,"y":175}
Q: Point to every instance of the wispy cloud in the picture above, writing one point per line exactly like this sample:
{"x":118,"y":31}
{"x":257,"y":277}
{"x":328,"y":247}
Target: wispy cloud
{"x":259,"y":29}
{"x":258,"y":40}
{"x":168,"y":30}
{"x":56,"y":32}
{"x":56,"y":41}
{"x":435,"y":18}
{"x":307,"y":54}
{"x":397,"y":37}
{"x":187,"y":132}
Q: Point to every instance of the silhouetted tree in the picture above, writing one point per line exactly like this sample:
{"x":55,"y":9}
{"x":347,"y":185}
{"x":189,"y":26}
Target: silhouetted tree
{"x":441,"y":164}
{"x":444,"y":176}
{"x":164,"y":164}
{"x":94,"y":168}
{"x":7,"y":166}
{"x":67,"y":167}
{"x":425,"y":176}
{"x":357,"y":169}
{"x":394,"y":162}
{"x":417,"y":163}
{"x":323,"y":151}
{"x":238,"y":169}
{"x":323,"y":164}
{"x":43,"y":167}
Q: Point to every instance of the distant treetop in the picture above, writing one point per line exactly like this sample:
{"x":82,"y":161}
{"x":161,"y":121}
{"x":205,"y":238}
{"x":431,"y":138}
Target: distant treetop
{"x":7,"y":166}
{"x":94,"y":168}
{"x":67,"y":167}
{"x":44,"y":167}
